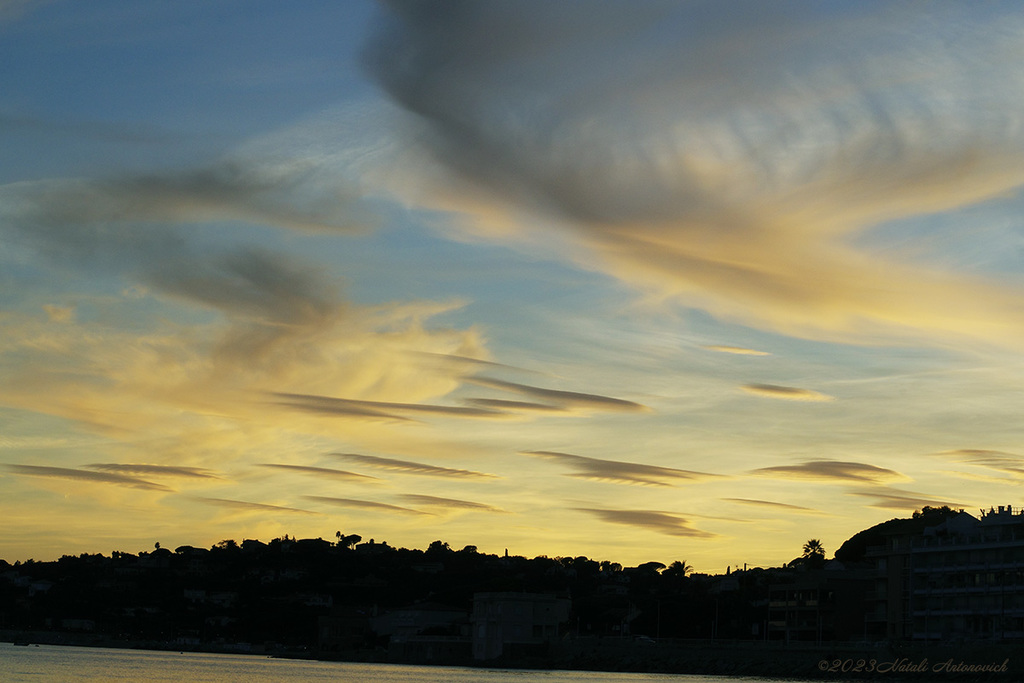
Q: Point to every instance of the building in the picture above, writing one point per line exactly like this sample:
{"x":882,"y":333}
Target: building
{"x":962,"y":579}
{"x":822,"y":605}
{"x":426,"y":633}
{"x":516,"y":624}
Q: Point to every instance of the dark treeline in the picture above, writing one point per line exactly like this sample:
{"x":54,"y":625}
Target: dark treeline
{"x":283,"y":596}
{"x":274,"y":592}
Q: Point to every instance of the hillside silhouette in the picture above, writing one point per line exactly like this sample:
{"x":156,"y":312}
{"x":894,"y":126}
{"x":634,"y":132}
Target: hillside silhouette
{"x":369,"y":601}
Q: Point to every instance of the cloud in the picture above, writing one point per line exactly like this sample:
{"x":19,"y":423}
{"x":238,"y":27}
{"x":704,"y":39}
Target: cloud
{"x":832,"y":470}
{"x":785,"y":393}
{"x":502,"y":404}
{"x":906,"y":501}
{"x":773,"y":505}
{"x":736,"y":350}
{"x":449,"y":503}
{"x":59,"y":314}
{"x":155,"y":470}
{"x":246,"y":505}
{"x":1000,"y":461}
{"x":730,"y":156}
{"x":567,"y":399}
{"x":667,"y":523}
{"x":275,"y":192}
{"x":408,"y":467}
{"x":365,"y":504}
{"x":324,"y":472}
{"x":391,"y":410}
{"x":620,"y":472}
{"x":82,"y":475}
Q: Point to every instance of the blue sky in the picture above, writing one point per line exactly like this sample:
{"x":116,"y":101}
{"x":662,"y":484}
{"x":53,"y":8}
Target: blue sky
{"x":628,"y":280}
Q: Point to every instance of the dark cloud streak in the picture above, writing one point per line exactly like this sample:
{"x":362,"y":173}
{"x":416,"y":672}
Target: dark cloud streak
{"x":619,"y":472}
{"x":667,"y":523}
{"x":324,"y":472}
{"x":570,"y":399}
{"x":83,"y":475}
{"x":257,"y":507}
{"x":155,"y":470}
{"x":410,"y":467}
{"x":450,"y":503}
{"x":364,"y":505}
{"x":835,"y":470}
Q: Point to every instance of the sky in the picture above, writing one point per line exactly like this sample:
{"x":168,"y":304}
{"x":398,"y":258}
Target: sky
{"x":640,"y":281}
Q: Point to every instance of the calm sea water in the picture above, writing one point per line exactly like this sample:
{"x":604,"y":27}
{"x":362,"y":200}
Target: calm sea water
{"x":55,"y":664}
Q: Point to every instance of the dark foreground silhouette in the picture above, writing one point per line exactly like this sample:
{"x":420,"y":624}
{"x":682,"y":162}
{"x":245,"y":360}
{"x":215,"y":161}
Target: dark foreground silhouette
{"x":348,"y":600}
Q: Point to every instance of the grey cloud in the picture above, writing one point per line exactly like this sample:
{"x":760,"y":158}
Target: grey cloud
{"x":246,"y":505}
{"x":271,"y":193}
{"x":451,"y":503}
{"x":324,"y":472}
{"x":772,"y":504}
{"x":905,"y":501}
{"x":1000,"y":461}
{"x":365,"y":505}
{"x":409,"y":467}
{"x":785,"y":393}
{"x":726,"y":152}
{"x":667,"y":523}
{"x":502,"y":404}
{"x":353,"y":407}
{"x":155,"y":470}
{"x":467,"y":362}
{"x":736,"y":350}
{"x":570,"y":399}
{"x":836,"y":470}
{"x":83,"y":475}
{"x":270,"y":300}
{"x":619,"y":472}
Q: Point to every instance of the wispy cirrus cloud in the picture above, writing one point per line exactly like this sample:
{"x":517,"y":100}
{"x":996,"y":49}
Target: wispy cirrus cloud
{"x":528,"y":406}
{"x":1000,"y":461}
{"x":736,"y":350}
{"x":832,"y":470}
{"x":736,"y":180}
{"x":364,"y":505}
{"x":620,"y":472}
{"x":85,"y":475}
{"x":774,"y":505}
{"x":254,"y":507}
{"x":324,"y":472}
{"x":785,"y":393}
{"x":896,"y":499}
{"x":391,"y":410}
{"x":409,"y":467}
{"x":567,"y":399}
{"x":668,"y":523}
{"x":155,"y":470}
{"x":449,"y":503}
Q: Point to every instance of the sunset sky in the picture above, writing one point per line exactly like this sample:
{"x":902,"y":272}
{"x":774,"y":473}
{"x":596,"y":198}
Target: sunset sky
{"x":639,"y":281}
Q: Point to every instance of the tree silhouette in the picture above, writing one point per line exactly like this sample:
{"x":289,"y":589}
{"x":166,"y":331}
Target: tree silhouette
{"x":814,"y":549}
{"x":677,"y":569}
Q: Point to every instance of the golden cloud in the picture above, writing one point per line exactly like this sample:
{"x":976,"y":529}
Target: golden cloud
{"x":736,"y":350}
{"x":619,"y":472}
{"x":834,"y":470}
{"x":408,"y":467}
{"x":667,"y":523}
{"x":82,"y":475}
{"x":785,"y":393}
{"x":364,"y":505}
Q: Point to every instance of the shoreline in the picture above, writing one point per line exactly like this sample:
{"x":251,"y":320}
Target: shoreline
{"x":793,"y":661}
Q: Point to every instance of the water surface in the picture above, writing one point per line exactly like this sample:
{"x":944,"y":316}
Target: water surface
{"x":59,"y":664}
